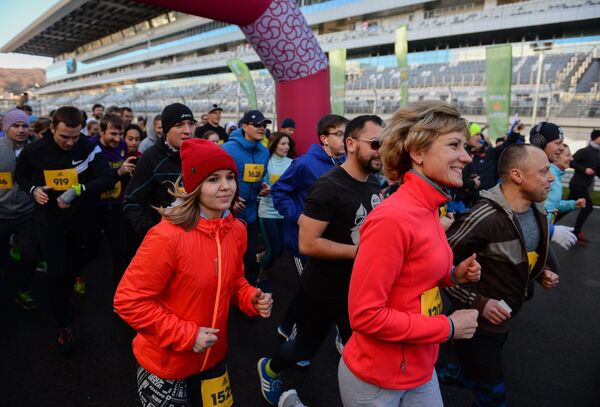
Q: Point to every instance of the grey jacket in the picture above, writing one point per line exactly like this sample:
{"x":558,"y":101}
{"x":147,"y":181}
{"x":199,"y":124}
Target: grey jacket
{"x":14,"y":202}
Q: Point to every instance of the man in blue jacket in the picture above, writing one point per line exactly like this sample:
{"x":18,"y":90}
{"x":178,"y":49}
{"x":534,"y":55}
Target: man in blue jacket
{"x":251,"y":158}
{"x":290,"y":191}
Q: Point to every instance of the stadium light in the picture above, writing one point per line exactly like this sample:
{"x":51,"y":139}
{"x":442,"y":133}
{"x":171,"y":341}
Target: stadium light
{"x":539,"y":49}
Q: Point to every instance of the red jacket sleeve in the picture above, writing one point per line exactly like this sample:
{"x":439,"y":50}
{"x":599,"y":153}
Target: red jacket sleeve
{"x":376,"y":270}
{"x":143,"y":281}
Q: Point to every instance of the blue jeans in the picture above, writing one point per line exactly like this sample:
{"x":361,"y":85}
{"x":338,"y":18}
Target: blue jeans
{"x":356,"y":392}
{"x":272,"y":231}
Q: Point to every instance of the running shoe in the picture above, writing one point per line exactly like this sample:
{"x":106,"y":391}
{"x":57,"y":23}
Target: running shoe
{"x":270,"y":386}
{"x":15,"y":253}
{"x":25,"y":300}
{"x":581,"y":239}
{"x":290,"y":398}
{"x":290,"y":337}
{"x":65,"y":339}
{"x":42,"y":267}
{"x":79,"y":287}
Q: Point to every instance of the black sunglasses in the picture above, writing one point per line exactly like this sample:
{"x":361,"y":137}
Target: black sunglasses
{"x":375,"y":143}
{"x":264,"y":125}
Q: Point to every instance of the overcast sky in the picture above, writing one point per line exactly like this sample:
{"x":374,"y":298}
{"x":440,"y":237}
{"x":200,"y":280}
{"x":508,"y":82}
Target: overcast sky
{"x":16,"y":17}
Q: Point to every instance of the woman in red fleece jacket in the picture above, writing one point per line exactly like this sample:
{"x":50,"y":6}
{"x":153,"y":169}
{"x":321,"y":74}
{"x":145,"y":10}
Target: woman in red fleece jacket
{"x":177,"y":289}
{"x":394,"y":300}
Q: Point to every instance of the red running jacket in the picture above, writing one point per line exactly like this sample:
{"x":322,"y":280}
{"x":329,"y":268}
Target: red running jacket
{"x":177,"y":282}
{"x":393,"y":345}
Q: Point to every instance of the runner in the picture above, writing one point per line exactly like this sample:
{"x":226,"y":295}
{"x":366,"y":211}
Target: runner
{"x":586,"y":163}
{"x":290,"y":191}
{"x":108,"y":208}
{"x":148,"y":188}
{"x":212,"y":124}
{"x":16,"y":209}
{"x":177,"y":290}
{"x":403,"y":258}
{"x":251,"y":158}
{"x":336,"y":207}
{"x":508,"y":230}
{"x":62,"y":173}
{"x":133,"y":137}
{"x":153,"y":134}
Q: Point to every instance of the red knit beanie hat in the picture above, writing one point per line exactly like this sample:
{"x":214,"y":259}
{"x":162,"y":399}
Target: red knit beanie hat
{"x":199,"y":159}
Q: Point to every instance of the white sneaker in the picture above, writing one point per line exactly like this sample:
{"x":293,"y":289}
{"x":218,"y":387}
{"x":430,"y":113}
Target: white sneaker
{"x":290,"y":398}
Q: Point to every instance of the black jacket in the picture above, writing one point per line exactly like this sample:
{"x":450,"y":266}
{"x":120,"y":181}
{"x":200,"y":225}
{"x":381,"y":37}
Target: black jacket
{"x":150,"y":186}
{"x":587,"y":157}
{"x":489,"y":230}
{"x":91,"y":166}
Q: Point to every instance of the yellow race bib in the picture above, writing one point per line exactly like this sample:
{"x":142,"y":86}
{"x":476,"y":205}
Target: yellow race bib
{"x":61,"y":180}
{"x":6,"y":181}
{"x":112,"y":193}
{"x":217,"y":391}
{"x":253,"y":172}
{"x":273,"y":178}
{"x":431,"y":302}
{"x":532,"y":258}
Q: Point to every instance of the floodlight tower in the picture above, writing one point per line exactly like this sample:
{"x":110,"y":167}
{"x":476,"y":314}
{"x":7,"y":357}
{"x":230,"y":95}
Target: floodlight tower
{"x":538,"y":48}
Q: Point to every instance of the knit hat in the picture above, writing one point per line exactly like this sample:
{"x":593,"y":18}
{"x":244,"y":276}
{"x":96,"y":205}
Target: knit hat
{"x":595,"y":134}
{"x":173,"y":114}
{"x":474,"y":129}
{"x":199,"y":159}
{"x":549,"y":131}
{"x":288,"y":122}
{"x":13,"y":116}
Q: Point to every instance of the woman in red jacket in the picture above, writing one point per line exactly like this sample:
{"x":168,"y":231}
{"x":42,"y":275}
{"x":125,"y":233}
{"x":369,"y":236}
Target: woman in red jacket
{"x":177,"y":289}
{"x":394,"y":301}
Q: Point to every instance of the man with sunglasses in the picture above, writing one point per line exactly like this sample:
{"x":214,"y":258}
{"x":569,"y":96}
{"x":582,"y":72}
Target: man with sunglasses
{"x":157,"y":167}
{"x":337,"y":205}
{"x":251,"y":158}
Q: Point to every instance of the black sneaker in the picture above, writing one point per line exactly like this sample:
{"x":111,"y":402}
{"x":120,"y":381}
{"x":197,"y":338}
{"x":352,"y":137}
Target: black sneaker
{"x":65,"y":339}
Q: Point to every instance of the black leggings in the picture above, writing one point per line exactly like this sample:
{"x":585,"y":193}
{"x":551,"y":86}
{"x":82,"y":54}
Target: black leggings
{"x":23,"y":229}
{"x":315,"y":317}
{"x":576,"y":193}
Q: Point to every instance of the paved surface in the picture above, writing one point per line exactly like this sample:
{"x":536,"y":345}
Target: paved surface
{"x":552,"y":356}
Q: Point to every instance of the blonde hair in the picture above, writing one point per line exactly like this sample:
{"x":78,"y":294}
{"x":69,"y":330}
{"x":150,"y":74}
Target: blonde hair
{"x":414,"y":128}
{"x":186,"y":212}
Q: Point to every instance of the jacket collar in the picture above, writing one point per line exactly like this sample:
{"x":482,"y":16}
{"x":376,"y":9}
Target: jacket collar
{"x":424,"y":190}
{"x":318,"y":152}
{"x":213,"y":226}
{"x":238,"y":137}
{"x":495,"y":194}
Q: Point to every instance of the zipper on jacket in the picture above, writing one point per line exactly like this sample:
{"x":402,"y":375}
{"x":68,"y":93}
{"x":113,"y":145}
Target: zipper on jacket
{"x":219,"y":280}
{"x":403,"y":364}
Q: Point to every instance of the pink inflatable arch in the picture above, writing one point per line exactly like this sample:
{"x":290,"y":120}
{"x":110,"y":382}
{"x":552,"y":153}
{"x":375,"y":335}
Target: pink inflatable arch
{"x":281,"y":37}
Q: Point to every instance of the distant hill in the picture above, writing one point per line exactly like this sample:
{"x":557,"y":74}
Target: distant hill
{"x":19,"y":80}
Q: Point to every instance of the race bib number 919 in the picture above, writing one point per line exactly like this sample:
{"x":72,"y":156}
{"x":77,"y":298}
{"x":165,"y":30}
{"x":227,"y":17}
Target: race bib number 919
{"x":253,"y":172}
{"x":61,"y":180}
{"x":217,"y":392}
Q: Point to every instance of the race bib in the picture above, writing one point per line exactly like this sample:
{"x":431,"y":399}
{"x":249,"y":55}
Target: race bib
{"x":532,"y":258}
{"x":431,"y":302}
{"x":217,"y":391}
{"x":253,"y":172}
{"x":6,"y":181}
{"x":273,"y":179}
{"x":112,"y":193}
{"x":61,"y":180}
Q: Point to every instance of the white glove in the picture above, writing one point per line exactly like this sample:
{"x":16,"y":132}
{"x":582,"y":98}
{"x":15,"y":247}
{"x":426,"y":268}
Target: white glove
{"x":564,"y":236}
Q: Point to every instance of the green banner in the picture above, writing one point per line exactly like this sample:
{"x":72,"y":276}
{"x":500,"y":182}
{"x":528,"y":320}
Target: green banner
{"x":337,"y":75}
{"x":242,"y":74}
{"x":498,"y":79}
{"x":401,"y":49}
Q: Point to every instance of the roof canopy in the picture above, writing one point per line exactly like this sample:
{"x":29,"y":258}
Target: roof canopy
{"x":73,"y":23}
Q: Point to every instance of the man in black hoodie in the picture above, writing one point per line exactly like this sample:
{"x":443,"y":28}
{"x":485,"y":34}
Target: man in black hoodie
{"x":158,"y":166}
{"x":62,"y":173}
{"x":586,"y":163}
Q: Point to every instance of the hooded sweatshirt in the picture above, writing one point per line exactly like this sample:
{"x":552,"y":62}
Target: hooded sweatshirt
{"x":554,"y":201}
{"x":290,"y":191}
{"x":14,"y":202}
{"x":149,"y":141}
{"x":251,"y":159}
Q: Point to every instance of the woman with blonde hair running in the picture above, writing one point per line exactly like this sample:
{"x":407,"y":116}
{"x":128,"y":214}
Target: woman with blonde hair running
{"x":394,"y":300}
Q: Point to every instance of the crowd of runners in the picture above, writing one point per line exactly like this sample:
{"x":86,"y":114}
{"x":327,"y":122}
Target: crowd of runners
{"x":405,"y":234}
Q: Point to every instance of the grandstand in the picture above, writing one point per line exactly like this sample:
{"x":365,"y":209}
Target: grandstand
{"x":148,"y":57}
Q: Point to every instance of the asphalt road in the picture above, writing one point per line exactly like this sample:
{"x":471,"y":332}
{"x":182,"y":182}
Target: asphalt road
{"x":552,"y":356}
